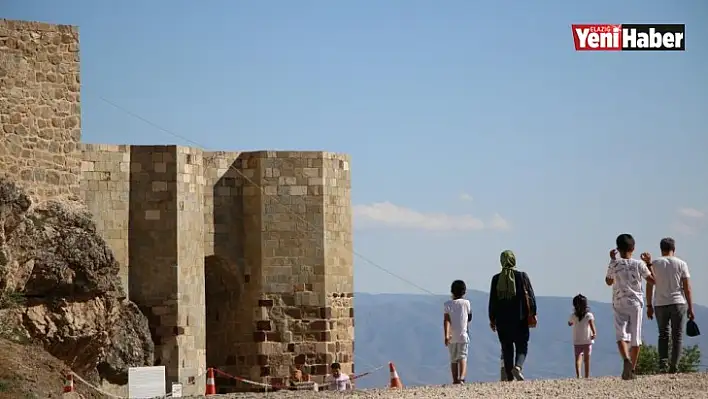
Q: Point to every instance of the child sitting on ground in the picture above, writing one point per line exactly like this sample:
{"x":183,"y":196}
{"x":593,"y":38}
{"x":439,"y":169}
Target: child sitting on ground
{"x":583,"y":323}
{"x":338,"y":380}
{"x":458,"y":313}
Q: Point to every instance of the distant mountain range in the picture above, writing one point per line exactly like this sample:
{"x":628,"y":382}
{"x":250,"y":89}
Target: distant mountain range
{"x":407,"y":329}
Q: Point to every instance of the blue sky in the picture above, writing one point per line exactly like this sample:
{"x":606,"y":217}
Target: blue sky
{"x":473,"y":126}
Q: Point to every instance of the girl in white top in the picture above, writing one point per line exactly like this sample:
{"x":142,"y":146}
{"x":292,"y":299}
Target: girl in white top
{"x":583,"y":323}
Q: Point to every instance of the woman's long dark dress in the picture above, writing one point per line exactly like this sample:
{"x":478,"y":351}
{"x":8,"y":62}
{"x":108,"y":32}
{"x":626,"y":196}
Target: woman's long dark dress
{"x":510,"y":316}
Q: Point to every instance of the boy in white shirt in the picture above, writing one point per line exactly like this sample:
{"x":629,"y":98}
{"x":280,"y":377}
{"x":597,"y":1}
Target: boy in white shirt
{"x":338,"y":381}
{"x":625,"y":275}
{"x":458,"y":313}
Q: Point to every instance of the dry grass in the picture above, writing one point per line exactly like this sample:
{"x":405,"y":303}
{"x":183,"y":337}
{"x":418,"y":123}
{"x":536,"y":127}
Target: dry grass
{"x":29,"y":372}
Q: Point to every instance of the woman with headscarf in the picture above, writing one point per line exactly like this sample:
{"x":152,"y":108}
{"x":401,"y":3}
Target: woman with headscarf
{"x":512,"y":311}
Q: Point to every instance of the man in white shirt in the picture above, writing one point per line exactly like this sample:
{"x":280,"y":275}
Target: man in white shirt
{"x":625,"y":275}
{"x":672,"y":302}
{"x":338,"y":381}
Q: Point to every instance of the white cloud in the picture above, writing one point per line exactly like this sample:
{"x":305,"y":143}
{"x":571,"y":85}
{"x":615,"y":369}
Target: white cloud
{"x":465,"y":197}
{"x":683,"y":228}
{"x":499,"y":223}
{"x":386,"y":214}
{"x":689,"y":221}
{"x":691,"y":213}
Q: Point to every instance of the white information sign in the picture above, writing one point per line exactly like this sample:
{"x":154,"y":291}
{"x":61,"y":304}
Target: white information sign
{"x":146,"y":382}
{"x":176,"y":390}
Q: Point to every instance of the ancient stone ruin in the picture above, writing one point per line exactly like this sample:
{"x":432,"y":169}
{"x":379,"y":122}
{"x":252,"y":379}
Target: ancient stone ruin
{"x":239,"y":260}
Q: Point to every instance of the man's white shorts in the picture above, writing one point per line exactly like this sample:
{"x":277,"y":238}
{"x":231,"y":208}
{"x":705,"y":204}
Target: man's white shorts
{"x":458,"y":351}
{"x":628,"y":324}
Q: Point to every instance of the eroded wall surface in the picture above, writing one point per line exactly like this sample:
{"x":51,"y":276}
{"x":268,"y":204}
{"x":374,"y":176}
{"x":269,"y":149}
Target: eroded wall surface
{"x":40,"y":107}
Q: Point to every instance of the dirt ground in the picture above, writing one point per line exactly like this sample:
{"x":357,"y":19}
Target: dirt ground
{"x":29,"y":372}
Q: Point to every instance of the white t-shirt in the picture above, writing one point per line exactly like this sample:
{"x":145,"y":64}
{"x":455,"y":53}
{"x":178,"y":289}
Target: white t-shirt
{"x":669,"y":271}
{"x":627,"y":288}
{"x":582,"y":334}
{"x":341,"y":383}
{"x":459,"y":311}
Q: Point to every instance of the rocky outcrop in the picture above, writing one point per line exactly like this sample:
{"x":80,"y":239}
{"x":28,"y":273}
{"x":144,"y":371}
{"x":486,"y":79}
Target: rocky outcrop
{"x":59,"y":286}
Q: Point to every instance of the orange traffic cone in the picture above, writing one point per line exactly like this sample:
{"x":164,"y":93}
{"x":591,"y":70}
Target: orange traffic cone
{"x":395,"y":381}
{"x":69,"y":382}
{"x":210,"y":384}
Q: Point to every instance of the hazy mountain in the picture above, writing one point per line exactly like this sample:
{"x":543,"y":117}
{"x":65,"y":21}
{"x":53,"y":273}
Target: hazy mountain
{"x":407,"y":329}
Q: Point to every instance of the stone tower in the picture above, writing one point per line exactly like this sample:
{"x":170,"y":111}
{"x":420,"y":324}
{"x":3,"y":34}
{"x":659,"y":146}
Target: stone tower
{"x":281,"y":296}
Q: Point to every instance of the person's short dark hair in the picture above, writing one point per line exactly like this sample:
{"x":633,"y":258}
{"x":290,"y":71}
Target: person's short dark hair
{"x":335,"y":366}
{"x":458,"y":288}
{"x":667,"y":244}
{"x":625,"y":243}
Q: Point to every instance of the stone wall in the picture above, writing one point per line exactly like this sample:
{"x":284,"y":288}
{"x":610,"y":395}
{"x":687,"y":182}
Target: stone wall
{"x":105,"y":187}
{"x":297,"y":326}
{"x":153,"y":262}
{"x":40,"y":107}
{"x":258,"y":244}
{"x":339,"y":282}
{"x":231,"y":293}
{"x":190,"y":329}
{"x":279,"y":274}
{"x":166,"y":256}
{"x":148,"y":202}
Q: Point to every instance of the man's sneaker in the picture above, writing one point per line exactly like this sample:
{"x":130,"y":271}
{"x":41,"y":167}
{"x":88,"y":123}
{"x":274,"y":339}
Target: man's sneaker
{"x":627,"y":370}
{"x":516,"y":371}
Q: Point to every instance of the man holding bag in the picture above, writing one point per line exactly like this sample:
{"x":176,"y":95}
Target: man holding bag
{"x":670,"y":300}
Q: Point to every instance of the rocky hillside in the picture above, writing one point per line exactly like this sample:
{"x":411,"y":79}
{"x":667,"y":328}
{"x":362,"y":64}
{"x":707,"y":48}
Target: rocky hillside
{"x":59,"y":289}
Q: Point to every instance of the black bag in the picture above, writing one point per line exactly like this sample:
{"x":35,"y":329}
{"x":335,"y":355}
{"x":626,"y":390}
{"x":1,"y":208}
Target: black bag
{"x":531,"y":319}
{"x":692,"y":329}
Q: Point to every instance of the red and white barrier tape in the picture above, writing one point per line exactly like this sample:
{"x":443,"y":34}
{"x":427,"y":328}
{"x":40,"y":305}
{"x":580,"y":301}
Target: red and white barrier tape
{"x":241,"y":379}
{"x":224,"y":374}
{"x":110,"y":395}
{"x":95,"y":388}
{"x":357,"y":376}
{"x":272,"y":386}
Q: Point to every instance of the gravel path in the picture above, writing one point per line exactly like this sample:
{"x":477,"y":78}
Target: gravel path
{"x":692,"y":386}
